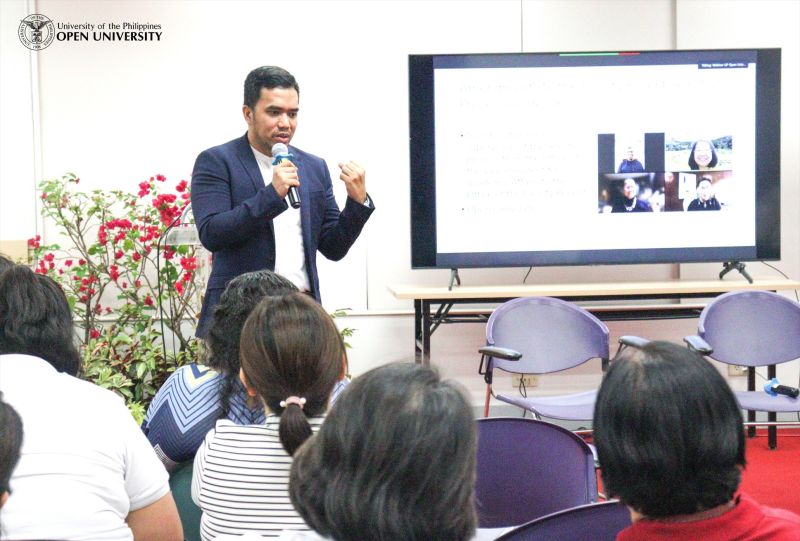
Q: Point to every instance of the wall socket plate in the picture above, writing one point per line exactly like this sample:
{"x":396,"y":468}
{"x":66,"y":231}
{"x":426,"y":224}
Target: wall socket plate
{"x":734,"y":370}
{"x":529,"y":380}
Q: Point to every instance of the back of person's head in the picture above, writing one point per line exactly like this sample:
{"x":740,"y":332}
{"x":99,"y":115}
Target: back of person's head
{"x":267,"y":77}
{"x":35,"y":319}
{"x":668,"y":432}
{"x":5,"y":263}
{"x":292,"y":355}
{"x":395,"y":459}
{"x":10,"y":445}
{"x":237,"y":301}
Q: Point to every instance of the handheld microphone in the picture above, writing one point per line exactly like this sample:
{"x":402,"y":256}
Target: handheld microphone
{"x":772,"y":388}
{"x":280,"y":152}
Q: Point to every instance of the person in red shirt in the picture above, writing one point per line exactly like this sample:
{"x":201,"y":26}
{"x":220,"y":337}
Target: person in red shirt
{"x":670,"y":442}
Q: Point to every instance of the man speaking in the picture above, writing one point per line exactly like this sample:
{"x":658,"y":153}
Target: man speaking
{"x":239,"y":192}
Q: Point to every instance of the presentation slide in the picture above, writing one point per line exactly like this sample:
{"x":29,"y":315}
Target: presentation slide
{"x":595,"y":157}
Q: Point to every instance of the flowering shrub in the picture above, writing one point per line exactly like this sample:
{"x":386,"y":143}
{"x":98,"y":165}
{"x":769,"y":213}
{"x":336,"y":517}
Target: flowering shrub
{"x":124,"y":286}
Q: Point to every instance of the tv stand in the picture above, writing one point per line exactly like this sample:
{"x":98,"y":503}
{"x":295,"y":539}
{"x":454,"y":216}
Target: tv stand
{"x":453,"y":277}
{"x":737,"y":265}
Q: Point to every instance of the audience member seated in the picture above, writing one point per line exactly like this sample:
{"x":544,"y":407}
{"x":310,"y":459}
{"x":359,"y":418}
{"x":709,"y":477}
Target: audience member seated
{"x":292,"y":355}
{"x":10,"y":445}
{"x":395,"y":460}
{"x":195,"y":396}
{"x":5,"y":263}
{"x":669,"y":438}
{"x":86,"y":470}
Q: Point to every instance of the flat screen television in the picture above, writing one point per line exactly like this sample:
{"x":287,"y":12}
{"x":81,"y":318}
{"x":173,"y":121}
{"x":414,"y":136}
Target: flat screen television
{"x":536,"y":159}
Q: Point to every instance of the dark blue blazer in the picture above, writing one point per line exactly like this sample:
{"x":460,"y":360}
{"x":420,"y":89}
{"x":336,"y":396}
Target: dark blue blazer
{"x":233,"y":210}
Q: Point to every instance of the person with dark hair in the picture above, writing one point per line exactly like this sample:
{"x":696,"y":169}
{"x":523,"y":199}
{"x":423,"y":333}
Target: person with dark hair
{"x":703,"y":155}
{"x":395,"y":460}
{"x":705,"y":199}
{"x":93,"y":479}
{"x":291,"y":355}
{"x":674,"y":455}
{"x":10,"y":446}
{"x":630,"y":164}
{"x":630,"y":202}
{"x":238,"y":192}
{"x":5,"y":263}
{"x":196,"y":395}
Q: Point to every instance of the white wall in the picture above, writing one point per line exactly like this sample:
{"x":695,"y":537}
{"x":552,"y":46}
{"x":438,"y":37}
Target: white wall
{"x":116,"y":113}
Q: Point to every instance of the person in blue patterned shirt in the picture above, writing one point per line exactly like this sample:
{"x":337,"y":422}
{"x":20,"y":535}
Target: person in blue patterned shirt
{"x":196,"y":395}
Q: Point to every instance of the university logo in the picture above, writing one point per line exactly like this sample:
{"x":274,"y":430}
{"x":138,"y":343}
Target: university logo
{"x":36,"y":32}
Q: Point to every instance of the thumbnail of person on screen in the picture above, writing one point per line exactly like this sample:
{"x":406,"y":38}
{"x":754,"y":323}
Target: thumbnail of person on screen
{"x":629,"y":201}
{"x":705,"y":199}
{"x":630,"y":164}
{"x":703,"y":156}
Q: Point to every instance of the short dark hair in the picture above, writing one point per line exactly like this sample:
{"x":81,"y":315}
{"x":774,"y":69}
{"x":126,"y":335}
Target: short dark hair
{"x":668,"y":432}
{"x":267,"y":77}
{"x":35,"y":319}
{"x":714,"y":160}
{"x":5,"y":263}
{"x":291,"y":347}
{"x":10,"y":442}
{"x":242,"y":294}
{"x":394,"y":459}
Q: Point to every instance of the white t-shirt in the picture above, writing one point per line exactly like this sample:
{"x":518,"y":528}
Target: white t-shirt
{"x":85,"y":463}
{"x":290,"y":259}
{"x":241,"y":480}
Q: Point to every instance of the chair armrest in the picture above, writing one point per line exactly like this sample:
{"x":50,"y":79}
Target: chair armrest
{"x":698,"y":344}
{"x":633,"y":341}
{"x":500,"y":353}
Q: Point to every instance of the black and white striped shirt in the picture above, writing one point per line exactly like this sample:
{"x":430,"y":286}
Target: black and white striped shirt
{"x":241,"y":479}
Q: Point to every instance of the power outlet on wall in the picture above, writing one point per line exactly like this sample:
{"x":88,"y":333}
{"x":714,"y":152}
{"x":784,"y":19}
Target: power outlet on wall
{"x":734,"y":370}
{"x":528,"y":380}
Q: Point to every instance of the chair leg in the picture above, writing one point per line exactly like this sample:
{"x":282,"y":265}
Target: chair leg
{"x":772,"y":431}
{"x":488,"y":397}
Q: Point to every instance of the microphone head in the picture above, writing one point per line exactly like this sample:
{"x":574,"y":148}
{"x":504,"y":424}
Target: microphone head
{"x":279,"y":149}
{"x":768,"y":387}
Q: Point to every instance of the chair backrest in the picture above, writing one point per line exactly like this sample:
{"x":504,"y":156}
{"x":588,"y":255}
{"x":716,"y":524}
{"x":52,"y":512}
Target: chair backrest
{"x":752,"y":328}
{"x":528,"y":469}
{"x":551,"y":334}
{"x":593,"y":522}
{"x":180,"y":482}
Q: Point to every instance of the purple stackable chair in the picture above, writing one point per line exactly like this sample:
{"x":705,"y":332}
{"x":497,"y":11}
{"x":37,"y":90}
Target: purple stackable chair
{"x":540,"y":335}
{"x":753,"y":328}
{"x":527,"y":469}
{"x":593,"y":522}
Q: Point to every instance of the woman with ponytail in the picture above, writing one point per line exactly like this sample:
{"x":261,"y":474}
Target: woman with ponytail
{"x":292,"y":356}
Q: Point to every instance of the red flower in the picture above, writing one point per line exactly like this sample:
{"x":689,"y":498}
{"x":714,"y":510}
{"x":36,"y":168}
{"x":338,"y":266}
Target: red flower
{"x":179,"y":287}
{"x":161,"y":178}
{"x":136,"y":256}
{"x":44,"y":195}
{"x":49,"y":257}
{"x":81,"y":262}
{"x":181,"y":186}
{"x":94,"y":333}
{"x":118,"y":254}
{"x":148,"y":300}
{"x":113,"y":272}
{"x":68,"y":263}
